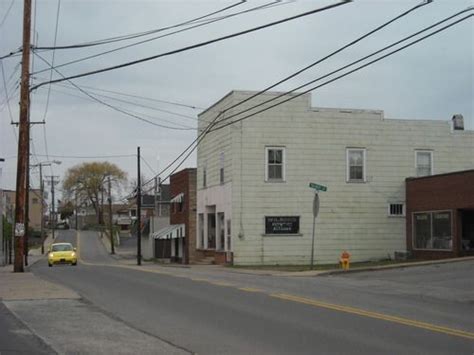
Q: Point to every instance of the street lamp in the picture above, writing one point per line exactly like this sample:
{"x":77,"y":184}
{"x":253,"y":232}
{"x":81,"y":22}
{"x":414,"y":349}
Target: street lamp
{"x":40,"y":165}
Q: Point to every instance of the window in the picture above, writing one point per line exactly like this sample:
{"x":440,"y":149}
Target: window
{"x":424,"y":162}
{"x":221,"y":171}
{"x":220,"y":217}
{"x":204,"y":176}
{"x":432,"y":230}
{"x":201,"y":230}
{"x":229,"y":245}
{"x":355,"y":165}
{"x":396,"y":209}
{"x":35,"y":200}
{"x":275,"y":164}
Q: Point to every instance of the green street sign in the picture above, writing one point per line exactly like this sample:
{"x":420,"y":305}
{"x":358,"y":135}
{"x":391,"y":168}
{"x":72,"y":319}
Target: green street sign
{"x":317,"y":187}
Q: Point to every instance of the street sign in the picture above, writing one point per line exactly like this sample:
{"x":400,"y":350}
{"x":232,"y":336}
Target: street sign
{"x":316,"y":205}
{"x":19,"y":229}
{"x":318,"y":187}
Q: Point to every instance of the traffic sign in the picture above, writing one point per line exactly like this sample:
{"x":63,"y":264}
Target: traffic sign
{"x":318,"y":187}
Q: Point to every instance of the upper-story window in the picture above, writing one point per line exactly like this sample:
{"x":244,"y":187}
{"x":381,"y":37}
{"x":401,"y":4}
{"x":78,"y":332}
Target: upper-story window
{"x":204,"y":175}
{"x":275,"y":163}
{"x":355,"y":160}
{"x":221,"y":169}
{"x":424,"y":162}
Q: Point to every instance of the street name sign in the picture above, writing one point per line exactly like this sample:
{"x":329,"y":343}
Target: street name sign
{"x":318,"y":187}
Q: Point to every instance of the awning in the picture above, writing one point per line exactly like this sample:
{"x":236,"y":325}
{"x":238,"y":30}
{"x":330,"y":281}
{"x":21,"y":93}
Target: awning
{"x":171,"y":232}
{"x":178,"y":198}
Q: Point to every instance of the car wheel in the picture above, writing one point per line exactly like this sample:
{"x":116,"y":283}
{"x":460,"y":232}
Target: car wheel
{"x":50,"y":265}
{"x":74,"y":264}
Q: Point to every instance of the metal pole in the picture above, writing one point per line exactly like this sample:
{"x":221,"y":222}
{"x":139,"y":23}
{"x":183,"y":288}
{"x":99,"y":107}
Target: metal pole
{"x":53,"y":213}
{"x":42,"y":207}
{"x":312,"y":244}
{"x":112,"y":248}
{"x":139,"y":211}
{"x":22,"y":140}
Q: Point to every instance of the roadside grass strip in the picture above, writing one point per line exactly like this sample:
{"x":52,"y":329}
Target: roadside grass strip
{"x":364,"y":313}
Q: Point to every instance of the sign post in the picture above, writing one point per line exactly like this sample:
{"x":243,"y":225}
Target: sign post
{"x":318,"y":188}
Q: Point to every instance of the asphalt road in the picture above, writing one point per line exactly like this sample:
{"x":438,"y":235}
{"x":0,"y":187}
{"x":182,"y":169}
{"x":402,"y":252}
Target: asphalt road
{"x":270,"y":316}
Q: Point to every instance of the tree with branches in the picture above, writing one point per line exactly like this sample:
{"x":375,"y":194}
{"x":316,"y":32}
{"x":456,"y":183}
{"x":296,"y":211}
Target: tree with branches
{"x":86,"y":182}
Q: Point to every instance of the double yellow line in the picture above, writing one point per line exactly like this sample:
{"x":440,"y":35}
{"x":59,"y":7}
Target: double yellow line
{"x":315,"y":303}
{"x":369,"y":314}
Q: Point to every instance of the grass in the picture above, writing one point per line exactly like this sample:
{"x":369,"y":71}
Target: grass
{"x":296,"y":268}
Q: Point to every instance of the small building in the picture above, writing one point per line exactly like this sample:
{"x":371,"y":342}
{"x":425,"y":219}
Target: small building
{"x":440,"y":215}
{"x":177,"y":242}
{"x":35,"y":201}
{"x":254,"y":203}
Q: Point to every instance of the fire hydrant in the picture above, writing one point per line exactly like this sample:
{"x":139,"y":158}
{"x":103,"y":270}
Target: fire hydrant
{"x":345,"y":260}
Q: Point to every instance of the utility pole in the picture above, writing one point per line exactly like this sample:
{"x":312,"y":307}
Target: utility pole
{"x":27,"y":197}
{"x":53,"y":211}
{"x":23,"y":141}
{"x":75,"y":202}
{"x":42,"y":208}
{"x":112,"y":247}
{"x":139,"y":211}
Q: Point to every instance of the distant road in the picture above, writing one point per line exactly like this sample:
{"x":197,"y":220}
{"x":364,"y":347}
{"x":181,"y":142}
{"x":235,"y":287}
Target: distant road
{"x":274,"y":315}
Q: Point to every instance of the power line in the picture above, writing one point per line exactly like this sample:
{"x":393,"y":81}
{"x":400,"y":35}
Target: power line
{"x":7,"y":13}
{"x":139,"y":34}
{"x":111,"y":106}
{"x":6,"y":91}
{"x":349,"y":72}
{"x":131,"y":45}
{"x":128,"y":110}
{"x":198,"y":45}
{"x":148,"y":165}
{"x":89,"y":156}
{"x":52,"y":58}
{"x":260,"y":7}
{"x":326,"y":83}
{"x":213,"y":121}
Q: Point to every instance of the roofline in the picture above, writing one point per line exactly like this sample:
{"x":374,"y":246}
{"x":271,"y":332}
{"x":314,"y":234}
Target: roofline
{"x":461,"y":172}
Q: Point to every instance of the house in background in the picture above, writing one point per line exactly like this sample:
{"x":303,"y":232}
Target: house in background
{"x":178,"y":241}
{"x":254,"y":204}
{"x":153,"y":218}
{"x":34,"y":212}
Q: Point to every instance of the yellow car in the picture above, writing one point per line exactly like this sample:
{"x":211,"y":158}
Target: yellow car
{"x":62,"y":253}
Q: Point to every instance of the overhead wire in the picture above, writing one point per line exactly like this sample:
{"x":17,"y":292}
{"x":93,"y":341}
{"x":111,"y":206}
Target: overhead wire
{"x":7,"y":13}
{"x":115,"y":108}
{"x":351,"y":64}
{"x":78,"y":60}
{"x":6,"y":91}
{"x":128,"y":110}
{"x":358,"y":39}
{"x":198,"y":45}
{"x":332,"y":80}
{"x":75,"y":61}
{"x":139,"y":34}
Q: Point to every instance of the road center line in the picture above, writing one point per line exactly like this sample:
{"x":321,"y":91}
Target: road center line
{"x":369,"y":314}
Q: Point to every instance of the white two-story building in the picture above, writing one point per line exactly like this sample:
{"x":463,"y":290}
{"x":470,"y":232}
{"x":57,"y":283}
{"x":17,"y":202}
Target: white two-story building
{"x":254,"y":202}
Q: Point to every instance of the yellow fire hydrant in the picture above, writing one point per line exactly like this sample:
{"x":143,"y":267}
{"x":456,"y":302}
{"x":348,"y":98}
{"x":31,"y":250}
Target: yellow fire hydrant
{"x":345,"y":260}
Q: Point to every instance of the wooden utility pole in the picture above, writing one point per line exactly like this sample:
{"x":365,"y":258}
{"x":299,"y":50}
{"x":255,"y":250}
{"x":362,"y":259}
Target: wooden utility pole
{"x":23,"y":141}
{"x":139,"y":211}
{"x":42,"y":207}
{"x":27,"y":197}
{"x":112,"y":246}
{"x":52,"y":214}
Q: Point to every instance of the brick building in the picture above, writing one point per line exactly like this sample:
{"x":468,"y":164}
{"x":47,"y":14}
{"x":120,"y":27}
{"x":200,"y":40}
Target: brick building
{"x":440,"y":215}
{"x":178,"y":241}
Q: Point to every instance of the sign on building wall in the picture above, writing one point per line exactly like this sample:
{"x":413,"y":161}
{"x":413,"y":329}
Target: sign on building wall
{"x":282,"y":225}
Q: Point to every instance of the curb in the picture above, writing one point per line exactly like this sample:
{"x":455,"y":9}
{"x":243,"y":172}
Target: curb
{"x":396,"y":266}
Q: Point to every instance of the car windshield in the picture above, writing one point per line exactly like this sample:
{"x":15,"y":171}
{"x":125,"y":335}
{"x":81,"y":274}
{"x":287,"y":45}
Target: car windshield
{"x":62,"y":247}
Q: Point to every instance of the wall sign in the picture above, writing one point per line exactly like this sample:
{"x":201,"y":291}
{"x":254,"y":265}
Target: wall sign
{"x":282,"y":225}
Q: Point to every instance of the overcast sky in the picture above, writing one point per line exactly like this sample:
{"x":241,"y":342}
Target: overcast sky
{"x":432,"y":80}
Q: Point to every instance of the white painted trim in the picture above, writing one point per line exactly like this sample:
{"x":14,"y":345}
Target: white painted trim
{"x":283,"y":149}
{"x":364,"y":166}
{"x":431,"y":160}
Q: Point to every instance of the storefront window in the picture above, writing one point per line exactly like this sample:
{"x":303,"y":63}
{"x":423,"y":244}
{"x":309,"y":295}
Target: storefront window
{"x":432,"y":230}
